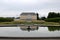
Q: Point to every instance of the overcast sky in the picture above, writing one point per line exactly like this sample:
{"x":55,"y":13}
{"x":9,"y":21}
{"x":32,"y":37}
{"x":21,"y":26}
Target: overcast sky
{"x":13,"y":8}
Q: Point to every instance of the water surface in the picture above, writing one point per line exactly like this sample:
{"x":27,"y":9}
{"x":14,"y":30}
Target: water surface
{"x":33,"y":31}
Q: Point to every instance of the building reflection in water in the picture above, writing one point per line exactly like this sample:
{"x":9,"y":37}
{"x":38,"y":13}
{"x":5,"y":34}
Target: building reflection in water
{"x":28,"y":28}
{"x":34,"y":27}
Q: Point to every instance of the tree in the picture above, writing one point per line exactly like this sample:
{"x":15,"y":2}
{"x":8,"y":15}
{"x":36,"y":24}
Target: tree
{"x":42,"y":18}
{"x":7,"y":19}
{"x":37,"y":16}
{"x":53,"y":15}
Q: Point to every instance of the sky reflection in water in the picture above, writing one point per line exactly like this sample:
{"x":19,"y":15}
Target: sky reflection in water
{"x":33,"y":31}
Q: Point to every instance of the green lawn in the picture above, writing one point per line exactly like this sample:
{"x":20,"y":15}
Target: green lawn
{"x":42,"y":23}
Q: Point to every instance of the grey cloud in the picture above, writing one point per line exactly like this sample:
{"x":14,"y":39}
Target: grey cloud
{"x":19,"y":7}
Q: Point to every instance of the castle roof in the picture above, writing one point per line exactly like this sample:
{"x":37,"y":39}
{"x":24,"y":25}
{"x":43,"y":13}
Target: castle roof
{"x":28,"y":13}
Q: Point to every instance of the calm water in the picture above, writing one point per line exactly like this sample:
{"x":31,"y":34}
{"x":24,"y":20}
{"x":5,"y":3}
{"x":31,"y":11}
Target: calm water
{"x":30,"y":31}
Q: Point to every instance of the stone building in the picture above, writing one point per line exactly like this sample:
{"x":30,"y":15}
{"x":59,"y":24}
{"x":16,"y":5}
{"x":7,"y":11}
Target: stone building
{"x":28,"y":16}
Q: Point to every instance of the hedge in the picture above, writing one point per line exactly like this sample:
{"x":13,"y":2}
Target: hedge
{"x":52,"y":19}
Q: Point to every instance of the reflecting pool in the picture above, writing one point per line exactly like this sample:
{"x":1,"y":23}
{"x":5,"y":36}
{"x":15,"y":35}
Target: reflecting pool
{"x":29,"y":31}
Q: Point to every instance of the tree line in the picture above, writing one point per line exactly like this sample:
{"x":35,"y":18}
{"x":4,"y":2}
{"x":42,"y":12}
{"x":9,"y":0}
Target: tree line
{"x":52,"y":17}
{"x":6,"y":19}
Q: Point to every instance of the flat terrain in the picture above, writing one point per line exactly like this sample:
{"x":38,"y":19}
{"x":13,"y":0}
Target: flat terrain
{"x":40,"y":23}
{"x":29,"y":39}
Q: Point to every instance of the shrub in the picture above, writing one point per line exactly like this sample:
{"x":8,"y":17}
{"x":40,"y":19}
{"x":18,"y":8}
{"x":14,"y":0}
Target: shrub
{"x":6,"y":19}
{"x":52,"y":19}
